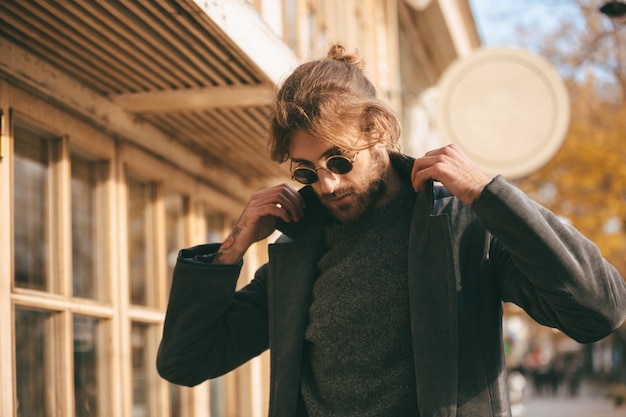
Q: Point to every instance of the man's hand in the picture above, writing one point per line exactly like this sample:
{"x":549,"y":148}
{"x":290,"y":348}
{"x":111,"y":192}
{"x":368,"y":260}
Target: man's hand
{"x":450,"y":166}
{"x":258,"y":220}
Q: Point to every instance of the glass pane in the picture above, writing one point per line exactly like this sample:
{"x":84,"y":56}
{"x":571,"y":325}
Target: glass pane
{"x":175,"y":401}
{"x":218,"y":396}
{"x":84,"y":243}
{"x":174,"y":230}
{"x":32,"y":363}
{"x":290,"y":25}
{"x":215,"y":226}
{"x":175,"y":238}
{"x":89,"y":395}
{"x":30,"y":185}
{"x":143,"y":391}
{"x":139,"y":203}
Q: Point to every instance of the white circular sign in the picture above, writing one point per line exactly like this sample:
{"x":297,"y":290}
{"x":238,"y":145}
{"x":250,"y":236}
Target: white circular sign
{"x":506,"y":108}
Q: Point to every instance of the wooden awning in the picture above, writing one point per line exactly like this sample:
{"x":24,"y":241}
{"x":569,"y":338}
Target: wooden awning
{"x":186,"y":69}
{"x":188,"y":80}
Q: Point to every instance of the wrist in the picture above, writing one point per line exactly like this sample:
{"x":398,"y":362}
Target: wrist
{"x":227,"y":257}
{"x":230,"y":251}
{"x":478,"y":191}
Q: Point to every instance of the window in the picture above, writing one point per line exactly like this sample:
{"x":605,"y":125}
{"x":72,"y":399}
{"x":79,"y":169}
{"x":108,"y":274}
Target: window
{"x":89,"y":367}
{"x":96,"y":233}
{"x":30,"y":208}
{"x":215,"y":233}
{"x":145,"y":380}
{"x":175,"y":236}
{"x":60,"y":340}
{"x":175,"y":206}
{"x":140,"y":198}
{"x":88,"y":198}
{"x":290,"y":15}
{"x":33,"y":363}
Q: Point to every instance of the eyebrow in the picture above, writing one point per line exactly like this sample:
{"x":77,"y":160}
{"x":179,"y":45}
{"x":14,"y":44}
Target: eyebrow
{"x":328,"y":153}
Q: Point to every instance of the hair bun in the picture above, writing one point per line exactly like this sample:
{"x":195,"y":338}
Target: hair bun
{"x":338,"y":53}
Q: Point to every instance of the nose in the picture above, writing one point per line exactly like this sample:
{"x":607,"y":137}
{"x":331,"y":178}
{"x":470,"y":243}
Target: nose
{"x":327,"y":181}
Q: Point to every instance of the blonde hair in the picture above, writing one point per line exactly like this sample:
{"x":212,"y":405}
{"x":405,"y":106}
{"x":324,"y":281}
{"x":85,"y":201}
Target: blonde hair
{"x":331,"y":99}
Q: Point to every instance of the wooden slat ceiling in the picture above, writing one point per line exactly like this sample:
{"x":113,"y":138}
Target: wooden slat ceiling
{"x":165,"y":61}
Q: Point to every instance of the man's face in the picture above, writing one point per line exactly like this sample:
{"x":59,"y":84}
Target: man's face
{"x":347,"y":196}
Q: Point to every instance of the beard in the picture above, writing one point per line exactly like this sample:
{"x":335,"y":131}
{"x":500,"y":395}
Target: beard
{"x":374,"y":188}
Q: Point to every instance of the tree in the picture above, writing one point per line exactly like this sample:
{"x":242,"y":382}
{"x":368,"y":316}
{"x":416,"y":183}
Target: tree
{"x":580,"y":40}
{"x":585,"y":182}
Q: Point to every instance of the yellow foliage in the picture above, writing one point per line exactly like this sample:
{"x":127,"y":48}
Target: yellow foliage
{"x":589,"y":174}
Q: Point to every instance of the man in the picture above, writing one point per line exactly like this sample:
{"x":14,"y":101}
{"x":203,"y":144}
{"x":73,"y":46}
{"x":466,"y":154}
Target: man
{"x":383,"y":295}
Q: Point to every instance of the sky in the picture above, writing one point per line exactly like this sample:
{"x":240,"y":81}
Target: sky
{"x":528,"y":23}
{"x":498,"y":20}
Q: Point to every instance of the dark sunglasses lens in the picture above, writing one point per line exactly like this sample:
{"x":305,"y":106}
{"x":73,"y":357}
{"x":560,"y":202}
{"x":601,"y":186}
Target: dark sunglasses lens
{"x":304,"y":176}
{"x":339,"y":164}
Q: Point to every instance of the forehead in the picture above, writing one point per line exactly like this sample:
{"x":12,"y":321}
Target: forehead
{"x":305,"y":147}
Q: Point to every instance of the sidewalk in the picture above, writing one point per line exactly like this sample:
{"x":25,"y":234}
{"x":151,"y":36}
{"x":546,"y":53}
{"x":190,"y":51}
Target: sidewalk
{"x":591,"y":402}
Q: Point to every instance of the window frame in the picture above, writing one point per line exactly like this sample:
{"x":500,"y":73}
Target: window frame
{"x":58,"y":299}
{"x":74,"y":136}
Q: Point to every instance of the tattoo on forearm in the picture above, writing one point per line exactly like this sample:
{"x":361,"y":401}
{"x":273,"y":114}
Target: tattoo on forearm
{"x":228,"y":243}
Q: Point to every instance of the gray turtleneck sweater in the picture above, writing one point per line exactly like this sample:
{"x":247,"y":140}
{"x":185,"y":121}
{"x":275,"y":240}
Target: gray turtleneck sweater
{"x":358,"y":356}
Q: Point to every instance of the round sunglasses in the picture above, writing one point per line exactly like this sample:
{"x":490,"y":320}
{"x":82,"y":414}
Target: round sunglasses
{"x":337,"y":164}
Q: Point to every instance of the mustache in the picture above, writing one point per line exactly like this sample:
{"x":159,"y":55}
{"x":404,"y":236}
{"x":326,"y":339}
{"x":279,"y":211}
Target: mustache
{"x":336,"y":194}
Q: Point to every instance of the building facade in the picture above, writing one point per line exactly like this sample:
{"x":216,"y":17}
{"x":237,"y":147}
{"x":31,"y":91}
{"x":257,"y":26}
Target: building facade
{"x":131,"y":129}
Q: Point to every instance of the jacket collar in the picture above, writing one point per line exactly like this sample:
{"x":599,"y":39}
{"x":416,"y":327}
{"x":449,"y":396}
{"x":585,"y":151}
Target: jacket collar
{"x":317,"y":215}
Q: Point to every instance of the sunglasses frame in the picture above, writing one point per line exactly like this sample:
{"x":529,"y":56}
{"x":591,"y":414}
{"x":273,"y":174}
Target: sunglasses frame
{"x":315,"y":169}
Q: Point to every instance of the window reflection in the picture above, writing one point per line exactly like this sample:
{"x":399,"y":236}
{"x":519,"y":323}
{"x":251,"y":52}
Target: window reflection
{"x":139,"y":204}
{"x":89,"y":395}
{"x":33,"y":363}
{"x":174,"y":239}
{"x":144,"y":395}
{"x":85,"y":245}
{"x":174,"y":230}
{"x":215,"y":226}
{"x":30,"y":185}
{"x":215,"y":222}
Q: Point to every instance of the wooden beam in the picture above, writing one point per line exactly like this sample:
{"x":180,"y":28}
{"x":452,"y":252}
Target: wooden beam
{"x":460,"y":24}
{"x":195,"y":99}
{"x":26,"y":71}
{"x":405,"y":13}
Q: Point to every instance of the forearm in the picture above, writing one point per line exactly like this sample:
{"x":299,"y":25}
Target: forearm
{"x":258,"y":221}
{"x":232,"y":250}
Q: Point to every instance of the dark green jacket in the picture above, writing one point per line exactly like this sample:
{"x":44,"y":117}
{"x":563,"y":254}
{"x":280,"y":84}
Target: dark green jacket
{"x":463,"y":262}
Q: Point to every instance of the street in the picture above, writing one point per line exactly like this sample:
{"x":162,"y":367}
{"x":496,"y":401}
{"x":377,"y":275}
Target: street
{"x":591,"y":402}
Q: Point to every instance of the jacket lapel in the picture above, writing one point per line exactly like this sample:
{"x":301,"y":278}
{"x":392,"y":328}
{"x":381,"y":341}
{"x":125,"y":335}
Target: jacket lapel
{"x":292,"y":269}
{"x":432,"y":293}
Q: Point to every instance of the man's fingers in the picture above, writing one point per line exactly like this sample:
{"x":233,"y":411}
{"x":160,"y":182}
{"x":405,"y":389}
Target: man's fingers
{"x":424,"y":170}
{"x":450,"y":166}
{"x":280,"y":201}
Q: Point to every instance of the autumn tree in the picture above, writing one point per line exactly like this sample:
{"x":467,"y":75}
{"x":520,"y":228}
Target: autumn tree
{"x":585,"y":182}
{"x":580,"y":39}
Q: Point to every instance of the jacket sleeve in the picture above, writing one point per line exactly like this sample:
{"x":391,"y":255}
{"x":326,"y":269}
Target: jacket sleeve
{"x":548,"y":268}
{"x":210,"y":329}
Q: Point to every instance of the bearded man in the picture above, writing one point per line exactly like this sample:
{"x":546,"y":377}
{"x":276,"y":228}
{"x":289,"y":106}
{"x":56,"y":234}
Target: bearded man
{"x":383,"y":295}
